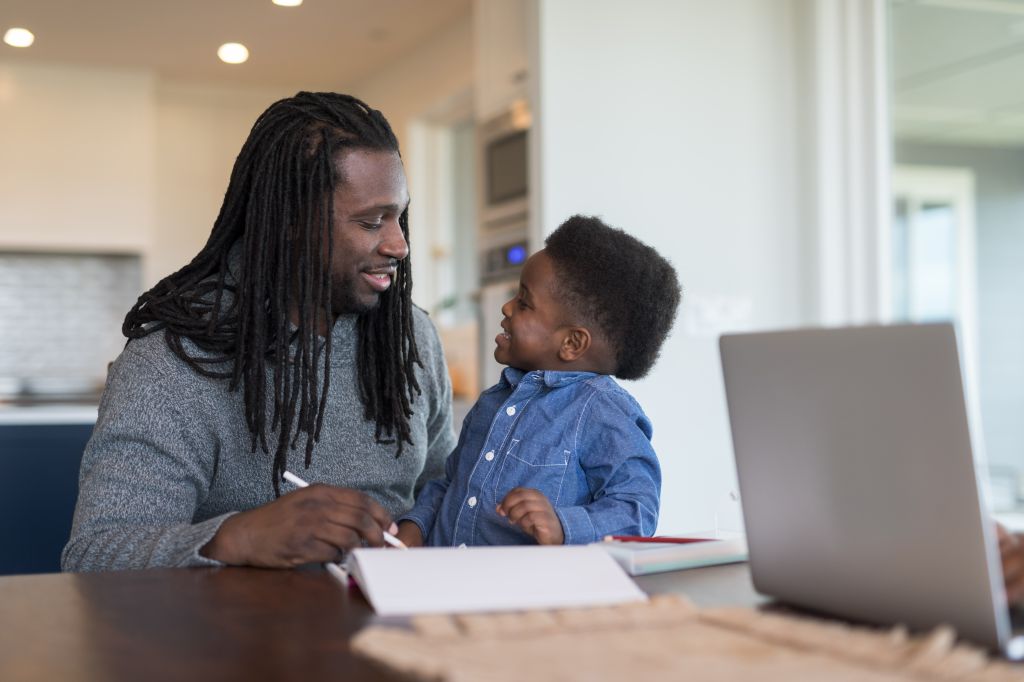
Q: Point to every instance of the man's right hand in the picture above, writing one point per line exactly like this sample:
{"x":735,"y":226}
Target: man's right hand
{"x":303,"y":526}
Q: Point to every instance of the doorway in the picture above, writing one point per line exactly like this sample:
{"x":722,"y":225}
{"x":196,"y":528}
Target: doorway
{"x":444,"y":183}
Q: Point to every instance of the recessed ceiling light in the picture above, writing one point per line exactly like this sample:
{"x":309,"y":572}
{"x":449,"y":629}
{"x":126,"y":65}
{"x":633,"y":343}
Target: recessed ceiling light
{"x":19,"y":37}
{"x":288,"y":3}
{"x":233,"y":53}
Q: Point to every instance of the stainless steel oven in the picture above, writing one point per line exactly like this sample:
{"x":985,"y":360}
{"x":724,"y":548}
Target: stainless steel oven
{"x":502,"y":235}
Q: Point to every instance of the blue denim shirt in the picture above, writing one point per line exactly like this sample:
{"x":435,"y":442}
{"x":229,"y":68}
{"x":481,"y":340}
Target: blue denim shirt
{"x":578,"y":437}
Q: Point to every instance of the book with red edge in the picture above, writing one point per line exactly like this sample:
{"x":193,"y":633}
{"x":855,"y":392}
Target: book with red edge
{"x":642,"y":557}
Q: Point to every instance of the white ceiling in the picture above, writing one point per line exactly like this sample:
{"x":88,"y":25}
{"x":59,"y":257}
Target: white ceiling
{"x":958,"y":71}
{"x":322,"y":44}
{"x":957,"y":65}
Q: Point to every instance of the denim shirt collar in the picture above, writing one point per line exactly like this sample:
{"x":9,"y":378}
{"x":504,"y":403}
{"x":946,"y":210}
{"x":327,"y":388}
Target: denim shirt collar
{"x":550,"y":378}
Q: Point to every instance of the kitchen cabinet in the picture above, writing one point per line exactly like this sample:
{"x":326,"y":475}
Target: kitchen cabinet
{"x":40,"y":454}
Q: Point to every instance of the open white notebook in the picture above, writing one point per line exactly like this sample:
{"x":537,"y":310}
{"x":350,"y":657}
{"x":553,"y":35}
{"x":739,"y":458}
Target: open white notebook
{"x":476,"y":579}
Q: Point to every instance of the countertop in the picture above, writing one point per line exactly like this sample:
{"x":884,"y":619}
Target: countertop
{"x":13,"y":412}
{"x":20,"y":414}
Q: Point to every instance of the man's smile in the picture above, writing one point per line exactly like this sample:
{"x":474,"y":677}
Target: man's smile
{"x":379,"y":278}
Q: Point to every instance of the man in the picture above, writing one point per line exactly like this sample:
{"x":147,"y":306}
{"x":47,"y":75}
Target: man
{"x":289,"y":341}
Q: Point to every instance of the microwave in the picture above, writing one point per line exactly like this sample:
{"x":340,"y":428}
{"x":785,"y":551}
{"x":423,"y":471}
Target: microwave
{"x":505,"y":171}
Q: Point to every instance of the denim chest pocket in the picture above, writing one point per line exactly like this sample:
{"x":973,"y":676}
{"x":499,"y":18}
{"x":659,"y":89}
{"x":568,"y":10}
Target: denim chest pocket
{"x":532,"y":464}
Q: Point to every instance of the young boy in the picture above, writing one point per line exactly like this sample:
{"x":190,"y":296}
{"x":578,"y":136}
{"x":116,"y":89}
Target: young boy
{"x":557,"y":452}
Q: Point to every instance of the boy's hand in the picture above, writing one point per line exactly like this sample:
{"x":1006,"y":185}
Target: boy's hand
{"x":1011,"y":548}
{"x":409,"y":533}
{"x":531,"y":511}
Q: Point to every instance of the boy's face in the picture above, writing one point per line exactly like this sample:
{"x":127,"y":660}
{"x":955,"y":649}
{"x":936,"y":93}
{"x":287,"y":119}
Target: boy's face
{"x":535,"y":322}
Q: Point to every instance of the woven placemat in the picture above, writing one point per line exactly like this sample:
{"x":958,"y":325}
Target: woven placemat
{"x":669,"y":638}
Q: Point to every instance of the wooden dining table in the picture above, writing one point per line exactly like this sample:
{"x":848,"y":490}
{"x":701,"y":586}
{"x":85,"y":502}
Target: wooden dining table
{"x":224,"y":623}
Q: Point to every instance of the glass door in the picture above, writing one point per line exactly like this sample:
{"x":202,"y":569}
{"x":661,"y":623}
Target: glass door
{"x":932,"y":246}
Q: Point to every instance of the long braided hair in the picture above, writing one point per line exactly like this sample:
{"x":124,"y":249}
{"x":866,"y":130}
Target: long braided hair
{"x":278,"y":210}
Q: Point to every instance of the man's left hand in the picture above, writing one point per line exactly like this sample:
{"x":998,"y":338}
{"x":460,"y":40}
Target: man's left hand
{"x":531,"y":511}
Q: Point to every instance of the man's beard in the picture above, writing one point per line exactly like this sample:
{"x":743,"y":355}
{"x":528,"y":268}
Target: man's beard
{"x":344,"y":300}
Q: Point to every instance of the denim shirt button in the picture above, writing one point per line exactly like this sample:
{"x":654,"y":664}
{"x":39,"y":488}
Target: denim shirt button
{"x":471,"y":501}
{"x":510,"y":410}
{"x":489,"y":456}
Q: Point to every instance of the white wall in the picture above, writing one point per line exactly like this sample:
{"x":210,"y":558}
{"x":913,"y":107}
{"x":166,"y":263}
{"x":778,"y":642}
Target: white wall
{"x":500,"y":39}
{"x":675,"y":120}
{"x":199,"y":132}
{"x":77,"y":160}
{"x":103,"y":160}
{"x":422,"y":81}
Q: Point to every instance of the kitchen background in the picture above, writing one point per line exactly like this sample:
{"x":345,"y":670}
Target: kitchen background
{"x":800,"y":161}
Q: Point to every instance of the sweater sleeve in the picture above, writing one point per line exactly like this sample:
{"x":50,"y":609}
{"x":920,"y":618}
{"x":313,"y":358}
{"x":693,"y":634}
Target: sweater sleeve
{"x":440,"y":437}
{"x":144,"y":473}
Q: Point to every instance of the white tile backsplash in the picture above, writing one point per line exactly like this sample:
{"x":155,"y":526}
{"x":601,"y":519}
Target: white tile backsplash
{"x":61,"y":314}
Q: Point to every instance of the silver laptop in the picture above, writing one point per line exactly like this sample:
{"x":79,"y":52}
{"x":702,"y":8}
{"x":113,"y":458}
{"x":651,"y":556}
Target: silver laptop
{"x":860,"y":494}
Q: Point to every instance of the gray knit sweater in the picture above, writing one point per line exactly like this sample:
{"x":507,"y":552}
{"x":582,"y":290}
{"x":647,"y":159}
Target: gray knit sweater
{"x":171,"y":456}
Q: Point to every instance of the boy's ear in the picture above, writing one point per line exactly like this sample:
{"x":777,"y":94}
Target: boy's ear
{"x":575,"y":343}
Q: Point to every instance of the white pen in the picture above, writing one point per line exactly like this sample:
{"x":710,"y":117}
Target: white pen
{"x":339,"y":572}
{"x":388,"y":537}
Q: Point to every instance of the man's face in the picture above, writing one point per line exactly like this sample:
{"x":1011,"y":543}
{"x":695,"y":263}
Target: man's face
{"x":535,"y":322}
{"x":368,"y":241}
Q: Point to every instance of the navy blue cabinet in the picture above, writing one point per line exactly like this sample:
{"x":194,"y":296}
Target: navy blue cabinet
{"x":39,"y":473}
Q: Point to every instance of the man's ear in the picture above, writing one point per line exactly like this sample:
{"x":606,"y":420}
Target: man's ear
{"x":575,"y":343}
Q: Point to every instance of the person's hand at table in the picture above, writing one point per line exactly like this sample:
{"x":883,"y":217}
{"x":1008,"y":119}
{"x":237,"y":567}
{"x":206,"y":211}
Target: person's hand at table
{"x":531,"y":511}
{"x":303,"y":526}
{"x":1011,"y":550}
{"x":410,"y":534}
